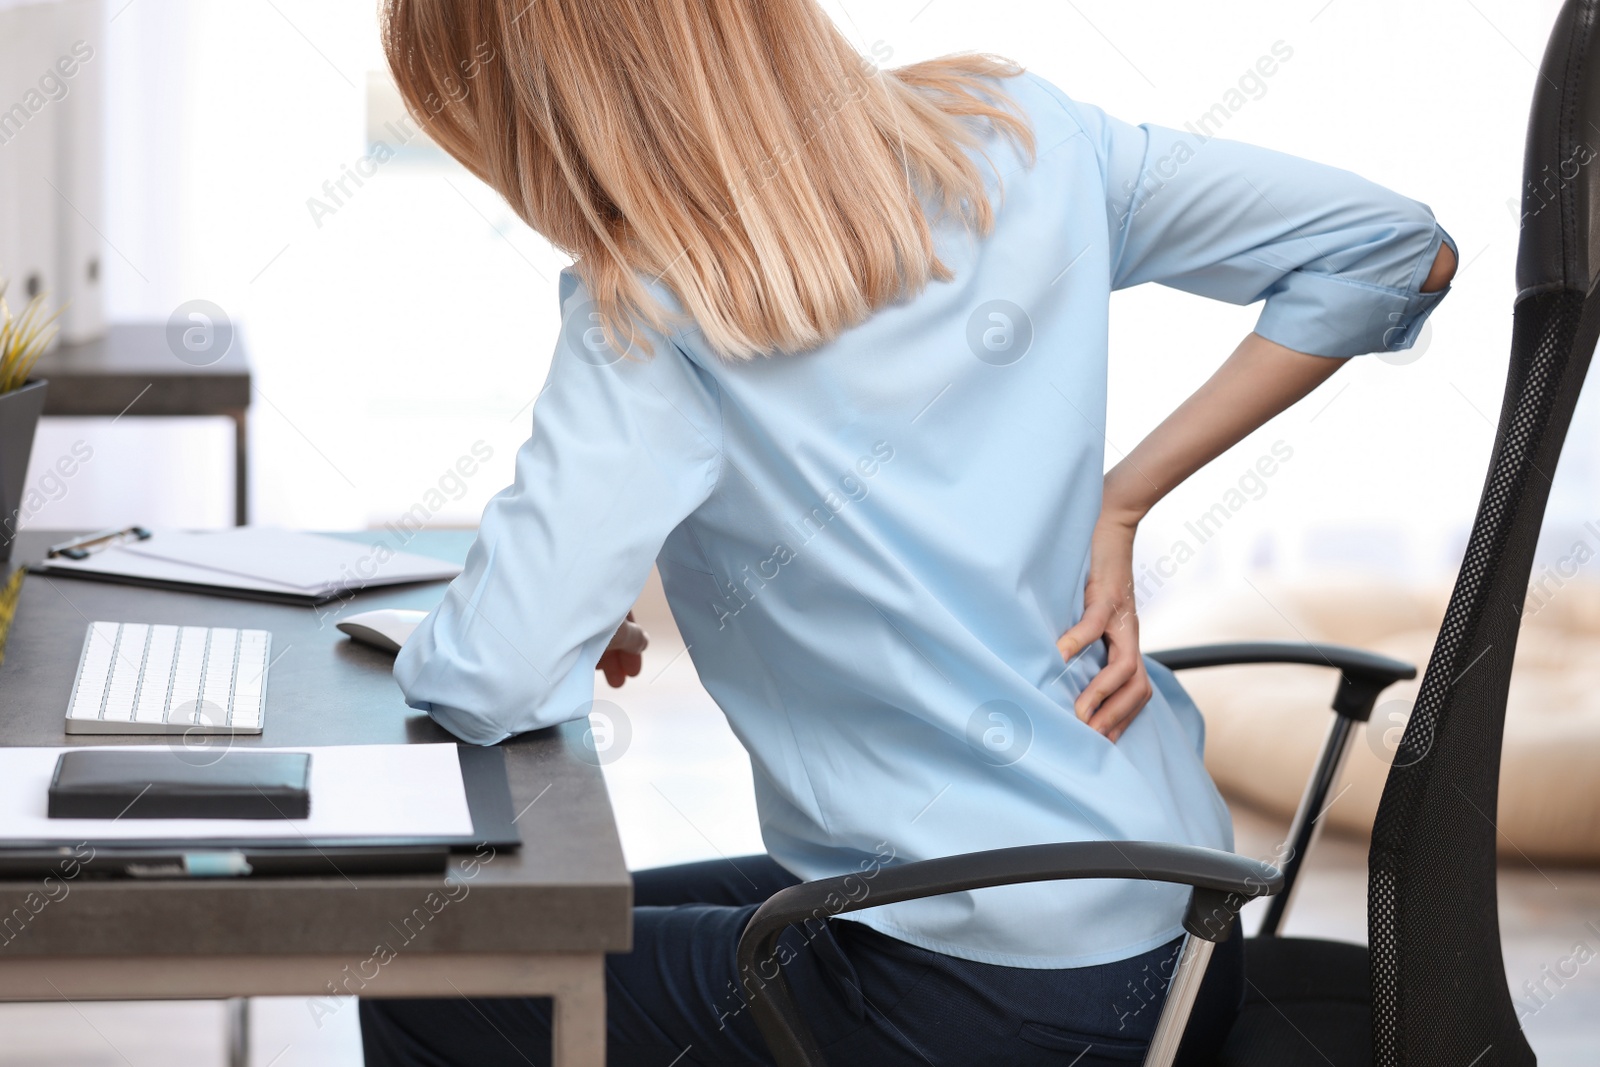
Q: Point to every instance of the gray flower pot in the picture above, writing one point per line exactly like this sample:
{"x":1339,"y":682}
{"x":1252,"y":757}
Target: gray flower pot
{"x":19,"y":418}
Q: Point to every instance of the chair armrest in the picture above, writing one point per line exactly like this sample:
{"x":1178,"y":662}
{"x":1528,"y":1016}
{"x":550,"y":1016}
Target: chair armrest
{"x":1223,"y":883}
{"x":1362,"y":675}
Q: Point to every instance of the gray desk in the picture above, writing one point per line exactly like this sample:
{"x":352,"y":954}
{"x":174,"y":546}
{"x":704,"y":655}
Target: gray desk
{"x":131,"y":371}
{"x":532,"y":923}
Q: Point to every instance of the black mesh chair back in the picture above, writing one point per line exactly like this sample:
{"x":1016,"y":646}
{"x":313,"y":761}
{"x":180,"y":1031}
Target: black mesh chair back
{"x":1439,"y":986}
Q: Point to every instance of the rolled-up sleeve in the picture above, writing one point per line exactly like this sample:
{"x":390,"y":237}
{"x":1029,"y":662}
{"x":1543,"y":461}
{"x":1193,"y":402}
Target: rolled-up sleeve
{"x":622,"y":450}
{"x":1339,"y":260}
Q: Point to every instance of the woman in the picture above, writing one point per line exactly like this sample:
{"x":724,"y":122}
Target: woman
{"x":834,"y":359}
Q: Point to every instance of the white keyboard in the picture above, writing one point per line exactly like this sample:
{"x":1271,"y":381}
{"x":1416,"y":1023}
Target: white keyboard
{"x":135,"y":678}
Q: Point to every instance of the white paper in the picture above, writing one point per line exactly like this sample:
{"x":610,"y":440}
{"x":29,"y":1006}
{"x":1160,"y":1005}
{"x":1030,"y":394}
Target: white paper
{"x":310,"y":563}
{"x":356,"y":791}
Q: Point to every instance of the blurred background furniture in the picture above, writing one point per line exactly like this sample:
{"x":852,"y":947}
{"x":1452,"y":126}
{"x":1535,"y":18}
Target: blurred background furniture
{"x":1263,"y":731}
{"x":133,"y":371}
{"x":52,"y":173}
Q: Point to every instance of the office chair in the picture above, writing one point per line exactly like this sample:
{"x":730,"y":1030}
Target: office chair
{"x":1432,"y":990}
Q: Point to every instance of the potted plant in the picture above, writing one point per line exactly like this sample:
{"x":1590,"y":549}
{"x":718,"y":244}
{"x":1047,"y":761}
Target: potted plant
{"x":23,"y":338}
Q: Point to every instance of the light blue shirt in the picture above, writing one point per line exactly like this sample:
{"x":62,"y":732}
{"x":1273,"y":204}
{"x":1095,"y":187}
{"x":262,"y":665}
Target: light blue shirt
{"x":872,"y":547}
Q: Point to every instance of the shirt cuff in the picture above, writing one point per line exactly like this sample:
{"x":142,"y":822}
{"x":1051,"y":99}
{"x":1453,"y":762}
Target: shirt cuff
{"x":464,"y":725}
{"x":1325,"y":315}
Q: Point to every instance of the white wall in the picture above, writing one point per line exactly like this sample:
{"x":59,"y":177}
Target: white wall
{"x":419,"y":317}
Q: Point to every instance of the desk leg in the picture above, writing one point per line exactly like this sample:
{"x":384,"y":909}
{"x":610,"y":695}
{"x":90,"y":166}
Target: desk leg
{"x":579,"y":1014}
{"x":238,"y":1028}
{"x":241,"y":466}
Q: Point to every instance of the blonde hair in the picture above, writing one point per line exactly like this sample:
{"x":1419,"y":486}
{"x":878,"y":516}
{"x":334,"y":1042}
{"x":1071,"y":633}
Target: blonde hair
{"x":742,"y":152}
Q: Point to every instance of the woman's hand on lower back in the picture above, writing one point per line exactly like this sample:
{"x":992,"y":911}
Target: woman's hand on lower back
{"x":1120,"y":691}
{"x":1258,"y":381}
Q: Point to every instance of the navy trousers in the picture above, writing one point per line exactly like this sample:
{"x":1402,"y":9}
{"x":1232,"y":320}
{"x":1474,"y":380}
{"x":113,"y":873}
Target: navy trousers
{"x":871,"y":1000}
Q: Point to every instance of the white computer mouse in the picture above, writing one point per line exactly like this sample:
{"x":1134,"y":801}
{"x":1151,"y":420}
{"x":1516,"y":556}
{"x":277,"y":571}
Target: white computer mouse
{"x":386,"y":628}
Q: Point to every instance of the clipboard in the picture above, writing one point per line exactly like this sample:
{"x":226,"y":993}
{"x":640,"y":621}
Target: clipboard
{"x":236,"y":592}
{"x":250,"y":563}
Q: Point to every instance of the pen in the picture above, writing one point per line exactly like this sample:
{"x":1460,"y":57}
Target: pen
{"x":229,"y":864}
{"x":78,"y":547}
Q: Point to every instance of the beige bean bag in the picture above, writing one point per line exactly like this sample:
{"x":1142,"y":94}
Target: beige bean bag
{"x":1265,"y":725}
